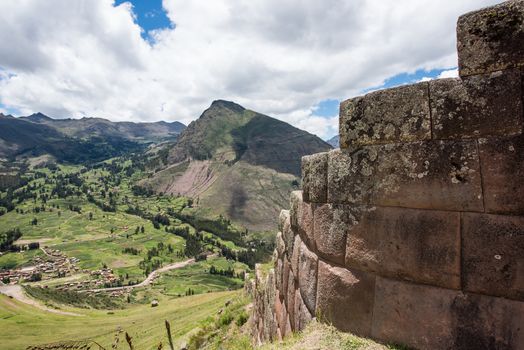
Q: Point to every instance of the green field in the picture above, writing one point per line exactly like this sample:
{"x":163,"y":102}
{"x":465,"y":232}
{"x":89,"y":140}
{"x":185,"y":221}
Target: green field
{"x":22,"y":325}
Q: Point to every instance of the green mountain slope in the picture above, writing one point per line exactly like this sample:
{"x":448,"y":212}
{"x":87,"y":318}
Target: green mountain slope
{"x":238,"y":163}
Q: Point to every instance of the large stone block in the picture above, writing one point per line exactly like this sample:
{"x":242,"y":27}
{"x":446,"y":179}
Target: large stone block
{"x":307,"y":276}
{"x":493,"y":255}
{"x":477,"y":106}
{"x":288,"y":235}
{"x":502,"y":163}
{"x":314,"y":178}
{"x":290,"y":299}
{"x":280,"y":245}
{"x":332,"y":222}
{"x":302,"y":314}
{"x":302,"y":217}
{"x":491,"y":39}
{"x":282,"y":218}
{"x":296,"y":254}
{"x":483,"y":322}
{"x":412,"y":244}
{"x":414,"y":315}
{"x":442,"y":175}
{"x":285,"y":278}
{"x":345,"y":298}
{"x":279,"y":266}
{"x":387,"y":116}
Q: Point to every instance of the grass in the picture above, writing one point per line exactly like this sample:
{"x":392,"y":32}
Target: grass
{"x":22,"y":325}
{"x":198,"y":278}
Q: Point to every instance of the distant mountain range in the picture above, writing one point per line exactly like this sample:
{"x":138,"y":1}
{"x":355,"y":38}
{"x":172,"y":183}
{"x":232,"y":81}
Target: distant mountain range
{"x":78,"y":140}
{"x":237,"y":162}
{"x":90,"y":127}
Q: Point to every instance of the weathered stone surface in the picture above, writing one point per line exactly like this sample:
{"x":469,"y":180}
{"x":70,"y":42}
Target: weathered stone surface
{"x":416,"y":245}
{"x":290,"y":300}
{"x":307,"y":276}
{"x":279,"y":266}
{"x":493,"y":255}
{"x":288,"y":235}
{"x":282,"y":218}
{"x":491,"y":39}
{"x":386,"y":116}
{"x":427,"y":175}
{"x":314,"y":178}
{"x":302,"y":314}
{"x":280,"y":313}
{"x":345,"y":298}
{"x":302,"y":217}
{"x":414,"y":315}
{"x":502,"y":162}
{"x":285,"y":278}
{"x":477,"y":106}
{"x":483,"y":322}
{"x":280,"y":245}
{"x":332,"y":222}
{"x":296,"y":254}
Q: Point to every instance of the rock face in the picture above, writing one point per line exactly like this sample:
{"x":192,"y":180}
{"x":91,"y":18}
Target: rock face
{"x":413,"y":231}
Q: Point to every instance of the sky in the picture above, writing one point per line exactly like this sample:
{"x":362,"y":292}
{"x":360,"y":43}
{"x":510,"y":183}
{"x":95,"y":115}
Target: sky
{"x":150,"y":60}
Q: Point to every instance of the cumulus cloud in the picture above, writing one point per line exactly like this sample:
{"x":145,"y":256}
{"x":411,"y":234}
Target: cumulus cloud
{"x":87,"y":57}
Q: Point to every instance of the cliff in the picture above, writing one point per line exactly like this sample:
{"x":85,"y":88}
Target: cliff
{"x":413,"y":231}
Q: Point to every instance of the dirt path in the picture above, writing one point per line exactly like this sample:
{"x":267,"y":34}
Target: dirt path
{"x":149,"y":278}
{"x":17,"y":292}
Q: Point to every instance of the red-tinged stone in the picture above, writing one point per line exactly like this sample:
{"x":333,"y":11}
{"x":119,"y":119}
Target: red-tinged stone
{"x":307,"y":276}
{"x":477,"y":106}
{"x":332,"y":222}
{"x":493,"y":255}
{"x":491,"y":39}
{"x":302,"y":314}
{"x":279,"y":265}
{"x":412,"y":244}
{"x":345,"y":298}
{"x":285,"y":277}
{"x":414,"y":315}
{"x":484,"y":322}
{"x":314,"y":178}
{"x":290,"y":300}
{"x":502,"y":163}
{"x":399,"y":114}
{"x":280,"y":313}
{"x":441,"y":175}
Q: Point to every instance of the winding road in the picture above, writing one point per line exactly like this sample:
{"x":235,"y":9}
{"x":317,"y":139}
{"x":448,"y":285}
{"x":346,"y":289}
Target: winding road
{"x":17,"y":292}
{"x":149,"y":278}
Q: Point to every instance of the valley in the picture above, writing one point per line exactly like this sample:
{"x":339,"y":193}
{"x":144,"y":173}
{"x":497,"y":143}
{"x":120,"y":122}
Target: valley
{"x":105,"y":241}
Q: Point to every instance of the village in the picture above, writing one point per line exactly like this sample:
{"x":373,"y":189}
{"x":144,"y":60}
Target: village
{"x":55,"y":264}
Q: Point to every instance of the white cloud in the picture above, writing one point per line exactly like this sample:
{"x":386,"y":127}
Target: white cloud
{"x":281,"y":58}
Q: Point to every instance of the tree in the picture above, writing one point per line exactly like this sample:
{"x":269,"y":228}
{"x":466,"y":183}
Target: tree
{"x":34,"y":222}
{"x":193,"y":246}
{"x":90,"y":216}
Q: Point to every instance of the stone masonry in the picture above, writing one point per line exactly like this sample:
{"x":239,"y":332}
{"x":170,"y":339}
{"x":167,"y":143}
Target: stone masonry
{"x":413,"y":231}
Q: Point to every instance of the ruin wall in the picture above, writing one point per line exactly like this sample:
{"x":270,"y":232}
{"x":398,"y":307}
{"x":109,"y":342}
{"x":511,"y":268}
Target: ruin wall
{"x":413,"y":231}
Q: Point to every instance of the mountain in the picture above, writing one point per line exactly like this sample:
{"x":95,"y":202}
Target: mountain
{"x":237,"y":162}
{"x":89,"y":127}
{"x":78,"y":140}
{"x":334,"y":141}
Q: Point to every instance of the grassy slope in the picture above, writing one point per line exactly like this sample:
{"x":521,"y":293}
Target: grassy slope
{"x":22,"y":325}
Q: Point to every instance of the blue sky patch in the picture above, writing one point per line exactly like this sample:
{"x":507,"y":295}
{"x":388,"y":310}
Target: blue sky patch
{"x":150,"y":15}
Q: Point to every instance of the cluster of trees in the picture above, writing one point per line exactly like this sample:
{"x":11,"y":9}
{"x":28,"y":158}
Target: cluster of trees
{"x":7,"y":238}
{"x":131,"y":250}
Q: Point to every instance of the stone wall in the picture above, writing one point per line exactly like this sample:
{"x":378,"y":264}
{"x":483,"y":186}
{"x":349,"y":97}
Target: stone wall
{"x":413,"y":231}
